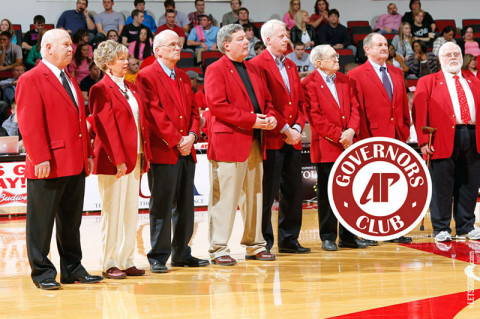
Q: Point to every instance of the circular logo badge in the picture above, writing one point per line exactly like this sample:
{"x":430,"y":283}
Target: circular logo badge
{"x":379,"y":188}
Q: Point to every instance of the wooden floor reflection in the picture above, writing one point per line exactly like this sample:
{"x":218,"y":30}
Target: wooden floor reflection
{"x":318,"y":285}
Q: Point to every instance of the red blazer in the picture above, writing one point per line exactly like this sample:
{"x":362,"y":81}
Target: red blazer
{"x":378,"y":115}
{"x":432,"y":106}
{"x":289,"y":106}
{"x":232,"y":113}
{"x":53,"y":128}
{"x":327,"y":120}
{"x":167,"y":119}
{"x":470,"y":73}
{"x":116,"y":134}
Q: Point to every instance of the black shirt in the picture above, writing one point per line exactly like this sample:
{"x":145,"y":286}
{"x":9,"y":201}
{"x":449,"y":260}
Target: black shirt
{"x":87,"y":83}
{"x":131,"y":32}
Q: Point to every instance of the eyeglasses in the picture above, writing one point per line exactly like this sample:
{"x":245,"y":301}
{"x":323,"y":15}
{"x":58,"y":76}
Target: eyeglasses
{"x":334,"y":57}
{"x":172,"y":45}
{"x":454,"y":54}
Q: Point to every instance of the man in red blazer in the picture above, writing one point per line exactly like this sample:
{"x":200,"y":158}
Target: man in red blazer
{"x":448,"y":101}
{"x":282,"y":170}
{"x":51,"y":117}
{"x":382,"y":96}
{"x":333,"y":114}
{"x":174,"y":126}
{"x":241,"y":108}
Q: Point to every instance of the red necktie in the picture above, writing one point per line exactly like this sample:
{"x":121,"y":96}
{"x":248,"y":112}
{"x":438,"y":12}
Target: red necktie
{"x":462,"y":100}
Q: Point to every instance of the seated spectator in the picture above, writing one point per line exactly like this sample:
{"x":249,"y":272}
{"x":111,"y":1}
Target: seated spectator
{"x":6,"y":25}
{"x":232,"y":16}
{"x":320,"y":17}
{"x":301,"y":58}
{"x":11,"y":124}
{"x":470,"y":45}
{"x":194,"y":16}
{"x":170,"y":17}
{"x":10,"y":54}
{"x":403,"y":40}
{"x":10,"y":85}
{"x":421,"y":63}
{"x":148,"y":20}
{"x":181,"y":18}
{"x":389,"y":23}
{"x":94,"y":75}
{"x":289,"y":16}
{"x":109,"y":19}
{"x":350,"y":66}
{"x":30,"y":38}
{"x":408,"y":16}
{"x":252,"y":39}
{"x":259,"y":47}
{"x":78,"y":68}
{"x":469,"y":66}
{"x":335,"y":34}
{"x":35,"y":54}
{"x":80,"y":18}
{"x":244,"y":18}
{"x":130,"y":31}
{"x":447,"y":35}
{"x":81,"y":37}
{"x":421,"y":31}
{"x":142,"y":47}
{"x":302,"y":31}
{"x":133,"y":69}
{"x":199,"y":93}
{"x":112,"y":35}
{"x":396,"y":59}
{"x":203,"y":36}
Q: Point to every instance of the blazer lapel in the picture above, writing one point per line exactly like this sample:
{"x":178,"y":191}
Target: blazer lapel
{"x":119,"y":95}
{"x":272,"y":65}
{"x":164,"y":79}
{"x":231,"y":69}
{"x":58,"y":86}
{"x":326,"y":91}
{"x":442,"y":84}
{"x":183,"y":96}
{"x":475,"y":94}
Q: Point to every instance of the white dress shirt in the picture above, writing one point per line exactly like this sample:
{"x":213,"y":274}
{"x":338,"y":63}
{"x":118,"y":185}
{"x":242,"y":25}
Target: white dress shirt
{"x":454,"y":96}
{"x":56,"y":71}
{"x":376,"y":67}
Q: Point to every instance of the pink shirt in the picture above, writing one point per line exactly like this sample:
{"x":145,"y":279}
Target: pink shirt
{"x":81,"y":71}
{"x":131,"y":49}
{"x":90,"y":51}
{"x":388,"y":21}
{"x":288,"y":21}
{"x":471,"y":47}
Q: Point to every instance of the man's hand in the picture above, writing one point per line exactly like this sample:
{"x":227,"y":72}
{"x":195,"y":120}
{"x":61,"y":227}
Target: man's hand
{"x":346,"y":139}
{"x":86,"y":12}
{"x":42,"y":170}
{"x":204,"y":46}
{"x":90,"y":166}
{"x":121,"y":170}
{"x":271,"y":123}
{"x":292,"y":136}
{"x":185,"y":144}
{"x":427,"y":150}
{"x":261,"y":121}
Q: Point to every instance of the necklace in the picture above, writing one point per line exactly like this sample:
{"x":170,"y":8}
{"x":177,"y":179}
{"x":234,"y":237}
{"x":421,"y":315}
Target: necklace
{"x":124,"y":92}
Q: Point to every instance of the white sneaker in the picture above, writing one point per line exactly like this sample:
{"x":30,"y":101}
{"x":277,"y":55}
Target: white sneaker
{"x":443,"y":236}
{"x":474,"y":234}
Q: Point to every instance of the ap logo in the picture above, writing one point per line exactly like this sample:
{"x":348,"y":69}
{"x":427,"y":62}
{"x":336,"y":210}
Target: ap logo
{"x":379,"y":188}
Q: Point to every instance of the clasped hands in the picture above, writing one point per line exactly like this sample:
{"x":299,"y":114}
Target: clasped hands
{"x":185,"y":144}
{"x":264,"y":122}
{"x":346,"y":139}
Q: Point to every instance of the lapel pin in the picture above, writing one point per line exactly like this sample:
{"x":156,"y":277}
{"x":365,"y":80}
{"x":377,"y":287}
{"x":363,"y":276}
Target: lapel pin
{"x":441,"y":82}
{"x":321,"y":86}
{"x":231,"y":71}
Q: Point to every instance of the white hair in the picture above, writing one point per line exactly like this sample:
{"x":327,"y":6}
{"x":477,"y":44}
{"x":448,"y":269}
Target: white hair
{"x":447,"y":45}
{"x":159,"y":39}
{"x":319,"y":52}
{"x":225,"y":35}
{"x":367,"y":41}
{"x":50,"y":37}
{"x":267,"y":29}
{"x":447,"y":65}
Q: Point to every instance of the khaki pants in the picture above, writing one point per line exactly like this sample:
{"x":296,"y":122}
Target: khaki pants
{"x":119,"y":217}
{"x":235,"y":184}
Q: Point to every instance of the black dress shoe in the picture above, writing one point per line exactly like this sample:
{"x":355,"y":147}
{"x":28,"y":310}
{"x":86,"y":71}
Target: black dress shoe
{"x":294,"y":248}
{"x":84,"y":279}
{"x":192,"y":262}
{"x":400,"y":240}
{"x":158,"y":267}
{"x":370,"y":242}
{"x":329,"y":245}
{"x":48,"y":284}
{"x":355,"y":243}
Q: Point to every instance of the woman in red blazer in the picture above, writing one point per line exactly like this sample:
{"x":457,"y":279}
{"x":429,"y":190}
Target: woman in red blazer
{"x":469,"y":66}
{"x":121,"y":155}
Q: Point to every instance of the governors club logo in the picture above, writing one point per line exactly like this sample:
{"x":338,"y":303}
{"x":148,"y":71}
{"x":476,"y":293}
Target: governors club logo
{"x":379,"y":188}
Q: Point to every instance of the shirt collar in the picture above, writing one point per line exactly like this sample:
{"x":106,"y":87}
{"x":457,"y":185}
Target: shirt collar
{"x":377,"y":66}
{"x":282,"y":58}
{"x":327,"y":78}
{"x":167,"y":71}
{"x":56,"y":71}
{"x":449,"y":76}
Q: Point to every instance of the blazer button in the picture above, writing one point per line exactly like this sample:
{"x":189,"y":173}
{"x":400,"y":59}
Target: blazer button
{"x":343,"y":117}
{"x":251,"y":112}
{"x":80,"y":135}
{"x":181,"y":117}
{"x":391,"y":119}
{"x":453,"y":115}
{"x":289,"y":103}
{"x":453,"y":127}
{"x":181,"y":131}
{"x":290,"y":116}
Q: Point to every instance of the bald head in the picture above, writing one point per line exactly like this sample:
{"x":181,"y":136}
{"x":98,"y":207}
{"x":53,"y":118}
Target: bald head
{"x":56,"y":48}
